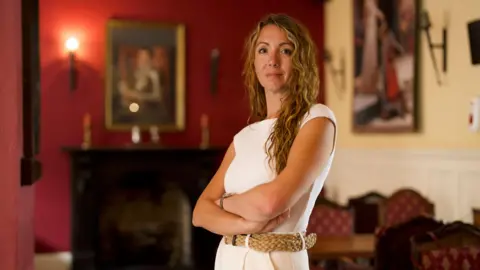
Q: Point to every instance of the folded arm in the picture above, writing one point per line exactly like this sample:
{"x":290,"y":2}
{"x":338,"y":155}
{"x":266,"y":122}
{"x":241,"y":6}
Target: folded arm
{"x":208,"y":215}
{"x":308,"y":155}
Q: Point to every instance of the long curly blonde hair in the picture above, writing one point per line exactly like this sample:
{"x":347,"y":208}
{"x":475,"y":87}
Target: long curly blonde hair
{"x":301,"y":91}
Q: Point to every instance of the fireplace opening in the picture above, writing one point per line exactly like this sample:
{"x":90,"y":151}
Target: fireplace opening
{"x":144,"y":223}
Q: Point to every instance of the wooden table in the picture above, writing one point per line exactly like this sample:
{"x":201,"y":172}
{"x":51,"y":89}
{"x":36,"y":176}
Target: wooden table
{"x":355,"y":246}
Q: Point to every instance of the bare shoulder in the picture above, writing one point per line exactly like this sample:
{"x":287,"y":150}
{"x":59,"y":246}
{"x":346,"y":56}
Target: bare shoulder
{"x":317,"y":129}
{"x":317,"y":134}
{"x":319,"y":110}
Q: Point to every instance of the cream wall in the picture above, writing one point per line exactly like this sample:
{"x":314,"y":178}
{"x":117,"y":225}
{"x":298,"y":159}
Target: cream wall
{"x":443,"y":109}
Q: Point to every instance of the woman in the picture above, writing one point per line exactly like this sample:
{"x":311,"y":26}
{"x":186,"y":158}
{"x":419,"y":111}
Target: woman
{"x":274,"y":193}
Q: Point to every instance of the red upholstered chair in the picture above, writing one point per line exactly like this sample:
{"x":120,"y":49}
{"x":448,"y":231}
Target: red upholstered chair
{"x":393,"y":247}
{"x":330,"y":219}
{"x":452,"y":246}
{"x":404,"y":205}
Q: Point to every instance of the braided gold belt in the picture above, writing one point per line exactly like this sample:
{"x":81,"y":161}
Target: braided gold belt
{"x":268,"y":242}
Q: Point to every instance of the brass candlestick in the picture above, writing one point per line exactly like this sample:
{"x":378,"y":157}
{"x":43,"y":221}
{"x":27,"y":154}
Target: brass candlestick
{"x":87,"y":131}
{"x":205,"y":132}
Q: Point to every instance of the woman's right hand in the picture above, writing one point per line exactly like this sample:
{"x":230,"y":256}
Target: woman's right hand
{"x":274,"y":223}
{"x":266,"y":226}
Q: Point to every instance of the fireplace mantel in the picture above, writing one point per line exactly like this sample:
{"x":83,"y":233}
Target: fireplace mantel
{"x":139,"y":148}
{"x":94,"y":173}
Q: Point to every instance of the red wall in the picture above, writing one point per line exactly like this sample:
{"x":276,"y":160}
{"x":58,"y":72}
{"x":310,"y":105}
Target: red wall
{"x":16,"y":206}
{"x":209,"y":23}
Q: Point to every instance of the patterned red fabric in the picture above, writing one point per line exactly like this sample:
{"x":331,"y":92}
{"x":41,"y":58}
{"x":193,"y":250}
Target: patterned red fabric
{"x":451,"y":259}
{"x":404,"y":207}
{"x":329,"y":221}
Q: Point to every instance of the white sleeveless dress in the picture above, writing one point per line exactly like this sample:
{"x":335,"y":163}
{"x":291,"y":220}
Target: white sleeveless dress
{"x":250,"y":168}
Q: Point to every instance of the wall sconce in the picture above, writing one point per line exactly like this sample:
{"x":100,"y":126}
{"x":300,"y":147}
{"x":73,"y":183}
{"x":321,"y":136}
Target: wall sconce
{"x":214,"y":61}
{"x":425,"y":25}
{"x":334,"y":72}
{"x":474,"y":41}
{"x":72,"y":45}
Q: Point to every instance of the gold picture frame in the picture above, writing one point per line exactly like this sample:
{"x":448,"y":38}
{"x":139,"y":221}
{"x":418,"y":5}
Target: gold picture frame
{"x":145,"y":82}
{"x":386,"y":67}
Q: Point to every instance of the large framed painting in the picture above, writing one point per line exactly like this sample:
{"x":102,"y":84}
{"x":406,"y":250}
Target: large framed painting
{"x":145,"y":83}
{"x":386,"y":62}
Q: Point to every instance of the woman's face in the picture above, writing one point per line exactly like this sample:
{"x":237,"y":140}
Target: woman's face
{"x":143,"y":59}
{"x":273,"y":58}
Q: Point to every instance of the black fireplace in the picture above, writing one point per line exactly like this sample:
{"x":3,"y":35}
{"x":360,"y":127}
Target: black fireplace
{"x":132,"y":208}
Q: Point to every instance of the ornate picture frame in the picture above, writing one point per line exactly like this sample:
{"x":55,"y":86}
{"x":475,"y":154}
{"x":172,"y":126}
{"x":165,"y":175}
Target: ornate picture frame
{"x":145,"y":75}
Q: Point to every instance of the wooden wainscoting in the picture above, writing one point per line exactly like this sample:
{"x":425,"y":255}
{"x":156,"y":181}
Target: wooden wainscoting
{"x":448,"y":178}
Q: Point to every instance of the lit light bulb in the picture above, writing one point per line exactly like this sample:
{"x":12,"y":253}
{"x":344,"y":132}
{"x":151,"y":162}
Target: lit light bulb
{"x":134,"y":107}
{"x":71,"y":44}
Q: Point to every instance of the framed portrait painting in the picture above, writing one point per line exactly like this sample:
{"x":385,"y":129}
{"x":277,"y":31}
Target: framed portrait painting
{"x":386,"y":63}
{"x":145,"y":82}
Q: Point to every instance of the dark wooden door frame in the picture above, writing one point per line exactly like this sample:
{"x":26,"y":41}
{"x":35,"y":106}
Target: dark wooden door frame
{"x":30,"y":166}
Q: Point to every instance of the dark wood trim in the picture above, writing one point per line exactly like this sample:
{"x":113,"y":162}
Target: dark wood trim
{"x":476,"y":216}
{"x":30,"y":166}
{"x":367,"y":211}
{"x":444,"y":236}
{"x":140,"y":147}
